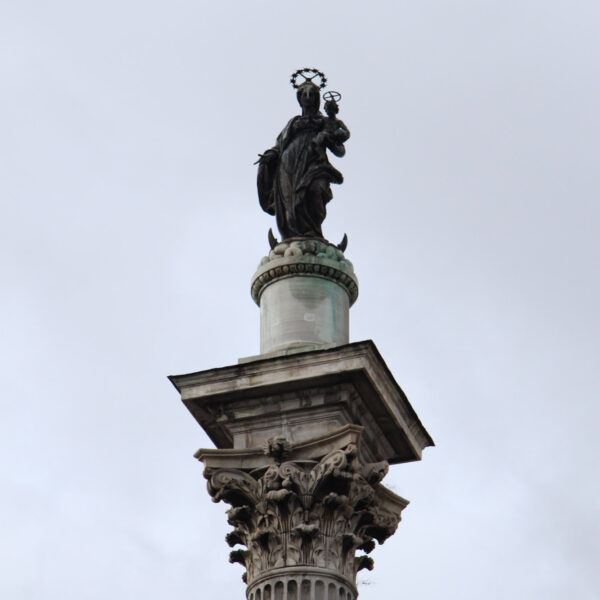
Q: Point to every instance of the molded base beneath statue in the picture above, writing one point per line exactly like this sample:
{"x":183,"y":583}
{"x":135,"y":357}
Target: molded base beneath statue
{"x":300,"y":312}
{"x":304,"y":289}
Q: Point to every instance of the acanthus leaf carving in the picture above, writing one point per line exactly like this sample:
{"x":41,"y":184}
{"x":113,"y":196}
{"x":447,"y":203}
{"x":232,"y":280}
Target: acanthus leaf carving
{"x":363,"y":562}
{"x":234,"y":537}
{"x":303,"y":512}
{"x":239,"y":556}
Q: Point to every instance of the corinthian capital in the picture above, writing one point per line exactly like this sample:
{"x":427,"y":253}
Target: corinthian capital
{"x":303,"y":512}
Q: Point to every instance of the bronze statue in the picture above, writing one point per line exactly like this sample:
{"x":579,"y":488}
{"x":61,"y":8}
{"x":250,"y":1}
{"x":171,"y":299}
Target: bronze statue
{"x":295,"y":176}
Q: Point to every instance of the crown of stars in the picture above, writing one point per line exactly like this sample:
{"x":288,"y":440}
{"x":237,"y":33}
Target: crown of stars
{"x":306,"y":74}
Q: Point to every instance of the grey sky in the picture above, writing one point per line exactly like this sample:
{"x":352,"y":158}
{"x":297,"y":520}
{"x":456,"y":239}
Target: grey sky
{"x":130,"y":229}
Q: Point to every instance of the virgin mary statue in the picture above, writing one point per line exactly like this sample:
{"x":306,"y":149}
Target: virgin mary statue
{"x":295,"y":176}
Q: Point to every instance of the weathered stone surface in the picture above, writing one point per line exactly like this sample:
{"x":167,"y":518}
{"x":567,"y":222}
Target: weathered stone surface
{"x":309,"y":258}
{"x":308,"y":514}
{"x":307,"y":247}
{"x":307,"y":395}
{"x":304,"y":289}
{"x":304,"y":437}
{"x":305,"y":432}
{"x":262,"y":457}
{"x":301,"y":583}
{"x":301,"y":312}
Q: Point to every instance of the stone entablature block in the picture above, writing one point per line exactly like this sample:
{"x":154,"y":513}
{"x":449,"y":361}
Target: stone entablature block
{"x":306,"y":395}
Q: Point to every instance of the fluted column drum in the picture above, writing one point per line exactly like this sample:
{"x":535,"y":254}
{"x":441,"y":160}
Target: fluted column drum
{"x":301,"y":583}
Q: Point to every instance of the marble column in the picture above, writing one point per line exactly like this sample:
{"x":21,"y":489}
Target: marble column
{"x":305,"y":433}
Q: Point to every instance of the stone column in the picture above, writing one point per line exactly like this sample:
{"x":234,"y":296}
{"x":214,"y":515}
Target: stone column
{"x":300,"y":521}
{"x":305,"y":432}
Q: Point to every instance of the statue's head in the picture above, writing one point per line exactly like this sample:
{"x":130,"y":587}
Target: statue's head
{"x":309,"y":97}
{"x":308,"y":93}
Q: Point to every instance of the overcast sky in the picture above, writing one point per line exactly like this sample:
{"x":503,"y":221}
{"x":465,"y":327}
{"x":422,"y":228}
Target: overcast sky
{"x":130,"y":228}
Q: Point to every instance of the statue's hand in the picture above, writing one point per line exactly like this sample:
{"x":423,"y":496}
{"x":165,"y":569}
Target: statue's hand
{"x":338,"y":149}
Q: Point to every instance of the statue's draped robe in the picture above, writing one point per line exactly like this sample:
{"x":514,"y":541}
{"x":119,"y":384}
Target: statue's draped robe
{"x":294,"y":177}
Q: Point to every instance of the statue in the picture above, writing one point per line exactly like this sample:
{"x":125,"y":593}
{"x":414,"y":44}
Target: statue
{"x":295,"y":176}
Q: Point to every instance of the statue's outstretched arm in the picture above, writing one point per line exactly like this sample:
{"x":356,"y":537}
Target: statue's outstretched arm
{"x":268,"y":156}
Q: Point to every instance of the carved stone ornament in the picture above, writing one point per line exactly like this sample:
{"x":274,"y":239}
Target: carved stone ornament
{"x":305,"y":258}
{"x":307,"y":513}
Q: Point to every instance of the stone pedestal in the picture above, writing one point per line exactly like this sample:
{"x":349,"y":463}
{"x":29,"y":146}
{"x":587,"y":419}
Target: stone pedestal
{"x":304,"y":289}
